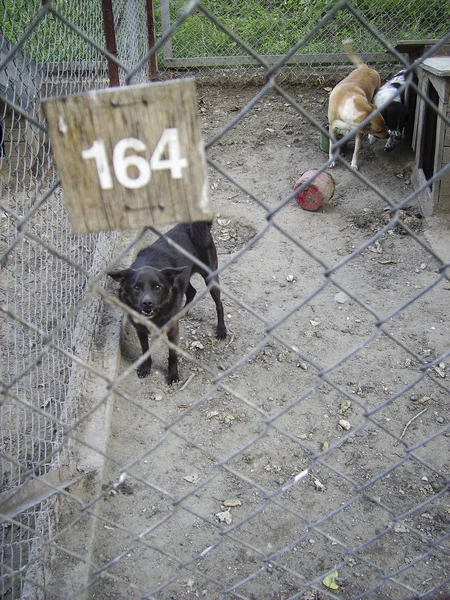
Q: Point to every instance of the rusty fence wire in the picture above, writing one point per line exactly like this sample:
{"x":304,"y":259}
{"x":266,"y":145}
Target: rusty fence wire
{"x":60,"y":338}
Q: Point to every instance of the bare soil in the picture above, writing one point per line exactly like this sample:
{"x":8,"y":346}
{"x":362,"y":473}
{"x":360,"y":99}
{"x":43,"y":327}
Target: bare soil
{"x":212,"y":462}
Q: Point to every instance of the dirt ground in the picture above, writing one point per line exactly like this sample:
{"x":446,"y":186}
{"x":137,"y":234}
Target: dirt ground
{"x":308,"y":378}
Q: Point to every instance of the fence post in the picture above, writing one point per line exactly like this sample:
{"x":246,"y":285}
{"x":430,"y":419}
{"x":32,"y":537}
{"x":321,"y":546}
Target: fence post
{"x":165,"y":23}
{"x":110,"y":39}
{"x":152,"y":65}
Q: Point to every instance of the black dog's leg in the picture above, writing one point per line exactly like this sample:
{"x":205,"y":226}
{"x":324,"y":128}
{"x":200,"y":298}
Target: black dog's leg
{"x":174,"y":337}
{"x":221,"y":331}
{"x":190,"y":293}
{"x":144,"y":368}
{"x":211,"y":261}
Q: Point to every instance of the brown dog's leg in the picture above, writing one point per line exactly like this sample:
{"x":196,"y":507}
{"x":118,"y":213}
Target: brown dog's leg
{"x":174,"y":337}
{"x":330,"y":154}
{"x":358,"y":141}
{"x":144,"y":369}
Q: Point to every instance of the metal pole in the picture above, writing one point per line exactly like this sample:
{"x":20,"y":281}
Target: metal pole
{"x":110,"y":38}
{"x":152,"y":64}
{"x":165,"y":23}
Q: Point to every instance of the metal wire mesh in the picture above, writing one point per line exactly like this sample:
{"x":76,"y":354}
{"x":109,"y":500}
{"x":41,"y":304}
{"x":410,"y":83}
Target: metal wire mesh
{"x":274,"y":29}
{"x":87,"y":514}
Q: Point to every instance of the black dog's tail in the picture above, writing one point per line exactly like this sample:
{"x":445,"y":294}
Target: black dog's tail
{"x":200,"y":234}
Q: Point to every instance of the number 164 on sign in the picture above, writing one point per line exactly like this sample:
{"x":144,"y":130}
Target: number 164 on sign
{"x":168,"y":145}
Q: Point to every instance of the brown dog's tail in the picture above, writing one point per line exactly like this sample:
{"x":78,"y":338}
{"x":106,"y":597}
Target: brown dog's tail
{"x":349,"y":49}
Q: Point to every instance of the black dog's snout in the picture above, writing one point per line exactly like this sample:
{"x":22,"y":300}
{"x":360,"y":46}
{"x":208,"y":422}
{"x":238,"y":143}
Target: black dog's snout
{"x":147,"y":305}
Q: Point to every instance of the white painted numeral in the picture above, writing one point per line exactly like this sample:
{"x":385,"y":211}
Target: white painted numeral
{"x":166,"y":156}
{"x":122,"y":163}
{"x":98,"y":152}
{"x":170,"y":140}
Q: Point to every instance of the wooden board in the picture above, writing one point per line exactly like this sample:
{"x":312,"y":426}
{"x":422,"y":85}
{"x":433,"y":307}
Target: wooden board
{"x":130,"y":157}
{"x":438,"y":65}
{"x":270,"y":59}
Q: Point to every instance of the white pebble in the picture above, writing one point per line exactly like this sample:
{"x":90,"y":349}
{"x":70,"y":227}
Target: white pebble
{"x":344,"y":424}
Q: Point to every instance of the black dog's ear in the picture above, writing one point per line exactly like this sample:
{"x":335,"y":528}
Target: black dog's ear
{"x":119,"y":275}
{"x":173,"y":274}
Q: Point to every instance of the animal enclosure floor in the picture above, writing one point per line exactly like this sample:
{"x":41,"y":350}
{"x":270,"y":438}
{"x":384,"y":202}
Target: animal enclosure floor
{"x":304,"y":353}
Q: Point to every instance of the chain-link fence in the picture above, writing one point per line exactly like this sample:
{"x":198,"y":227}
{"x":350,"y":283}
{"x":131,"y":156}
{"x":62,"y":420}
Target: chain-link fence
{"x":304,"y":456}
{"x":303,"y":39}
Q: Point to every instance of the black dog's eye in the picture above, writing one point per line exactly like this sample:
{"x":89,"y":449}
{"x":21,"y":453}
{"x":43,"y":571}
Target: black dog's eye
{"x":137,"y":287}
{"x":157,"y":288}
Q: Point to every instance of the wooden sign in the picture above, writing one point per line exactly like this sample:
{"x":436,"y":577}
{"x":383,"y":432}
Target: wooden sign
{"x":130,"y":157}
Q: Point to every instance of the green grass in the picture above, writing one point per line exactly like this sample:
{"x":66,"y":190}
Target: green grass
{"x":268,"y":26}
{"x":275,"y":26}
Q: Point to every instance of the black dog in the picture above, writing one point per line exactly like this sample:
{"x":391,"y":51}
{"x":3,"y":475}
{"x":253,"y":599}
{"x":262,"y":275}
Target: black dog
{"x":396,"y":113}
{"x":158,"y":279}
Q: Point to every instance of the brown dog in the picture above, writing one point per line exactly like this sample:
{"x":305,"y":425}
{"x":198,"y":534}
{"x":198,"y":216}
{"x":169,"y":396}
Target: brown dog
{"x":351,"y":102}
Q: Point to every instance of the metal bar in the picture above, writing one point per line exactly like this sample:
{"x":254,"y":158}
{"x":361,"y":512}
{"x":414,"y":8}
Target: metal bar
{"x":271,"y":59}
{"x":165,"y":23}
{"x":35,"y":490}
{"x":110,"y":39}
{"x":152,"y":63}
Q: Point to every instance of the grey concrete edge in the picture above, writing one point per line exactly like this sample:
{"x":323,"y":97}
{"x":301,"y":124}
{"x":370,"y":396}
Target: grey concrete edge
{"x":90,"y":449}
{"x":97,"y":342}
